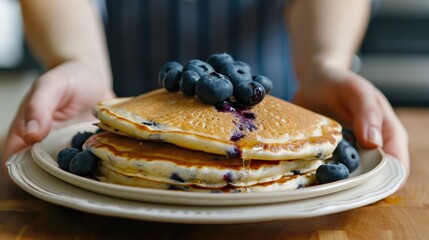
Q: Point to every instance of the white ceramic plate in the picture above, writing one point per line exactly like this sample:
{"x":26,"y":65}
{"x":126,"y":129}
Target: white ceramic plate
{"x":44,"y":153}
{"x":30,"y":177}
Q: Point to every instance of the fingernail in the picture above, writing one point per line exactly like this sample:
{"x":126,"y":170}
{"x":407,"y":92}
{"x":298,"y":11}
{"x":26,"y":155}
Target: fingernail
{"x":374,"y":136}
{"x":31,"y":127}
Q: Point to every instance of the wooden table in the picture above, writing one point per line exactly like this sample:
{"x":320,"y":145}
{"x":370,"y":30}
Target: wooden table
{"x":403,"y":215}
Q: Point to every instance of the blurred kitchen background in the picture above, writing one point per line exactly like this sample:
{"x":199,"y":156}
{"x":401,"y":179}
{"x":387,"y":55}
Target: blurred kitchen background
{"x":395,"y":52}
{"x":394,"y":55}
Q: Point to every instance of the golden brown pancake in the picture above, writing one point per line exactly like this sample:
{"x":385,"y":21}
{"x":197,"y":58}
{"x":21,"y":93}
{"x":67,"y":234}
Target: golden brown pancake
{"x":282,"y":184}
{"x":272,"y":130}
{"x":164,"y":165}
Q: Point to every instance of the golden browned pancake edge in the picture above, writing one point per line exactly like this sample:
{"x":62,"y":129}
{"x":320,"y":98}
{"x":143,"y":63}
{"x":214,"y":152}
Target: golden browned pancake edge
{"x":280,"y":130}
{"x":170,"y":164}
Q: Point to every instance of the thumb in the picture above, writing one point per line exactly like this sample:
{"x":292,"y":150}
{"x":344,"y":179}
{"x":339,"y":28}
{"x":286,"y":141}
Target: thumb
{"x":37,"y":124}
{"x":366,"y":113}
{"x":40,"y":107}
{"x":33,"y":120}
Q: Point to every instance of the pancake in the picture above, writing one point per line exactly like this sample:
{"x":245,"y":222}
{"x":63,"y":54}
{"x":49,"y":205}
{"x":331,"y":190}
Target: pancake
{"x":272,"y":130}
{"x":282,"y":184}
{"x":163,"y":165}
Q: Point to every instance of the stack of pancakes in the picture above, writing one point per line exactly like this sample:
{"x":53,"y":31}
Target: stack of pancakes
{"x":169,"y":141}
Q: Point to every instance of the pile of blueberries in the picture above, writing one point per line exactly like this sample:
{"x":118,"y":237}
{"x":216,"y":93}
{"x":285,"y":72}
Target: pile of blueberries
{"x":345,"y":160}
{"x":75,"y":160}
{"x":219,"y":79}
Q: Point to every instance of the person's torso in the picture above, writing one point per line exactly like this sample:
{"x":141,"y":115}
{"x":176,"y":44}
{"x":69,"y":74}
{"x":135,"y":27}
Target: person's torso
{"x":143,"y":35}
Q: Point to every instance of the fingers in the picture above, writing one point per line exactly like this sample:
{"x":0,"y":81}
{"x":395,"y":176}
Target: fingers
{"x":14,"y":139}
{"x":62,"y":95}
{"x":363,"y":107}
{"x":374,"y":121}
{"x":394,"y":134}
{"x":396,"y":143}
{"x":40,"y":107}
{"x":34,"y":117}
{"x":367,"y":117}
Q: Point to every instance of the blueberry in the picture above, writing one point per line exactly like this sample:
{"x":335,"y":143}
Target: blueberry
{"x":201,"y":67}
{"x":65,"y":156}
{"x":347,"y":155}
{"x":166,"y":68}
{"x":244,"y":65}
{"x":236,"y":73}
{"x":188,"y":81}
{"x":83,"y":164}
{"x":79,"y":139}
{"x":218,"y":60}
{"x":177,"y":177}
{"x":227,"y":177}
{"x":349,"y":136}
{"x":249,"y":93}
{"x":331,"y":172}
{"x":266,"y":82}
{"x":171,"y":80}
{"x":214,"y":88}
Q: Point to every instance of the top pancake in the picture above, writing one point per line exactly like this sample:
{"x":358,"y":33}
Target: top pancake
{"x":272,"y":130}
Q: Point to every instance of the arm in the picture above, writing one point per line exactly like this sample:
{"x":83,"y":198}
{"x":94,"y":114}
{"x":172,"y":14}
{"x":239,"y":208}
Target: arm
{"x":326,"y":32}
{"x":61,"y":31}
{"x":67,"y":37}
{"x":324,"y":36}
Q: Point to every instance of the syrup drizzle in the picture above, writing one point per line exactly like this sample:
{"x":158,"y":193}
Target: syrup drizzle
{"x":246,"y":166}
{"x":245,"y":172}
{"x":245,"y":122}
